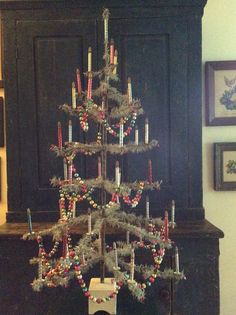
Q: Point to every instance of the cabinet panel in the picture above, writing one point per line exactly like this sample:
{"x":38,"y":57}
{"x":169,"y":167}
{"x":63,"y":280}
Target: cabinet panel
{"x":153,"y":52}
{"x":47,"y":62}
{"x":160,"y":52}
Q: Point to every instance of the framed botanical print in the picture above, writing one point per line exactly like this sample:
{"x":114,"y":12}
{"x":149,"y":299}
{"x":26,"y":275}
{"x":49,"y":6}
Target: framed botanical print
{"x":220,"y":88}
{"x":225,"y":165}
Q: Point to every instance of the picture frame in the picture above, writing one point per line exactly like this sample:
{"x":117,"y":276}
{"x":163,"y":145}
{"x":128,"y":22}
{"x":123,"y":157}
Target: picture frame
{"x":225,"y":166}
{"x":220,"y":93}
{"x":1,"y":123}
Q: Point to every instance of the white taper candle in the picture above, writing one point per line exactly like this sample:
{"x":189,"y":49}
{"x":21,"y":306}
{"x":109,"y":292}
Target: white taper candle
{"x":147,"y":207}
{"x":176,"y":259}
{"x":70,"y":131}
{"x":136,"y":135}
{"x":130,"y":97}
{"x":121,"y":134}
{"x":146,"y":132}
{"x":73,"y":95}
{"x":172,"y":211}
{"x":117,"y":174}
{"x":65,"y":169}
{"x":89,"y":59}
{"x":132,"y":264}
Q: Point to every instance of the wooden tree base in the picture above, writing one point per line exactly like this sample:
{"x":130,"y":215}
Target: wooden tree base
{"x":99,"y":289}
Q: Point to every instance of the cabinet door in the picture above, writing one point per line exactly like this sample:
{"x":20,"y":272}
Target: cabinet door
{"x":153,"y":52}
{"x":48,"y":54}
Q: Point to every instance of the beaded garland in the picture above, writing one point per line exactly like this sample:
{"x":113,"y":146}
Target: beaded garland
{"x":83,"y":118}
{"x":72,"y":261}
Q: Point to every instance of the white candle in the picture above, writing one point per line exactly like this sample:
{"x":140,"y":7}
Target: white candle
{"x":74,"y":209}
{"x":115,"y":254}
{"x":176,"y":260}
{"x":172,"y":211}
{"x":127,"y":237}
{"x":65,"y":169}
{"x":106,"y":17}
{"x":146,"y":132}
{"x":89,"y":221}
{"x":130,"y":98}
{"x":73,"y":95}
{"x":136,"y":135}
{"x":89,"y":59}
{"x":121,"y":133}
{"x":117,"y":174}
{"x":147,"y":207}
{"x":117,"y":199}
{"x":70,"y":131}
{"x":132,"y":264}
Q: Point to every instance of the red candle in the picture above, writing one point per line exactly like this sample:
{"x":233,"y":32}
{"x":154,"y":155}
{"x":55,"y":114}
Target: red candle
{"x":78,"y":81}
{"x":70,"y":172}
{"x":112,"y":51}
{"x":64,"y":245}
{"x":89,"y":95}
{"x":115,"y":61}
{"x":59,"y":135}
{"x":99,"y":167}
{"x":149,"y":171}
{"x":166,"y":226}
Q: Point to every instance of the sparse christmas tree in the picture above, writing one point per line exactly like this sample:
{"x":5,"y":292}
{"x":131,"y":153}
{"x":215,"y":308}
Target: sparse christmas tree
{"x":107,"y":196}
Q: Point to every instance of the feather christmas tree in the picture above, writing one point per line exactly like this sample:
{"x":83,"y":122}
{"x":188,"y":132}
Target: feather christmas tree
{"x":115,"y":115}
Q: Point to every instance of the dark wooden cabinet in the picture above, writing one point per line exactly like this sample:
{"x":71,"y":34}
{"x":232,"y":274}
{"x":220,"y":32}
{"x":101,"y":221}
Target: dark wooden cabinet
{"x":159,"y":46}
{"x":197,"y":295}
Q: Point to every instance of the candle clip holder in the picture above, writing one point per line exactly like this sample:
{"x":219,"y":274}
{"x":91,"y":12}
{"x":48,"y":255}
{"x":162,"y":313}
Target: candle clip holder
{"x":172,"y":224}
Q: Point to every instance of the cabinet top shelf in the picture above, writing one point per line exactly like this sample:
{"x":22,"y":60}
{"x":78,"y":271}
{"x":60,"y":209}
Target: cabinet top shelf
{"x":192,"y":229}
{"x":37,"y":4}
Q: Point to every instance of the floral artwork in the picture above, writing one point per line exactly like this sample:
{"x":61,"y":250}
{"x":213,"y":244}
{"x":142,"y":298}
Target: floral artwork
{"x":220,"y":91}
{"x":231,"y":167}
{"x":228,"y":98}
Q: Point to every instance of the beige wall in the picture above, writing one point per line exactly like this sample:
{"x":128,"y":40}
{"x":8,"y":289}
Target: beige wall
{"x":3,"y":202}
{"x":3,"y":180}
{"x":219,"y":43}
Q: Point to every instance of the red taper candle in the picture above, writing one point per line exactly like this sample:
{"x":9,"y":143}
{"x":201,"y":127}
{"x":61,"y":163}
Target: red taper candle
{"x":112,"y":51}
{"x":150,"y":171}
{"x":89,"y":95}
{"x":78,"y":81}
{"x":99,"y":166}
{"x":59,"y":135}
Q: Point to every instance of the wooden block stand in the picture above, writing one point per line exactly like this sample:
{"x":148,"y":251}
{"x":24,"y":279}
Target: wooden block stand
{"x":99,"y":289}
